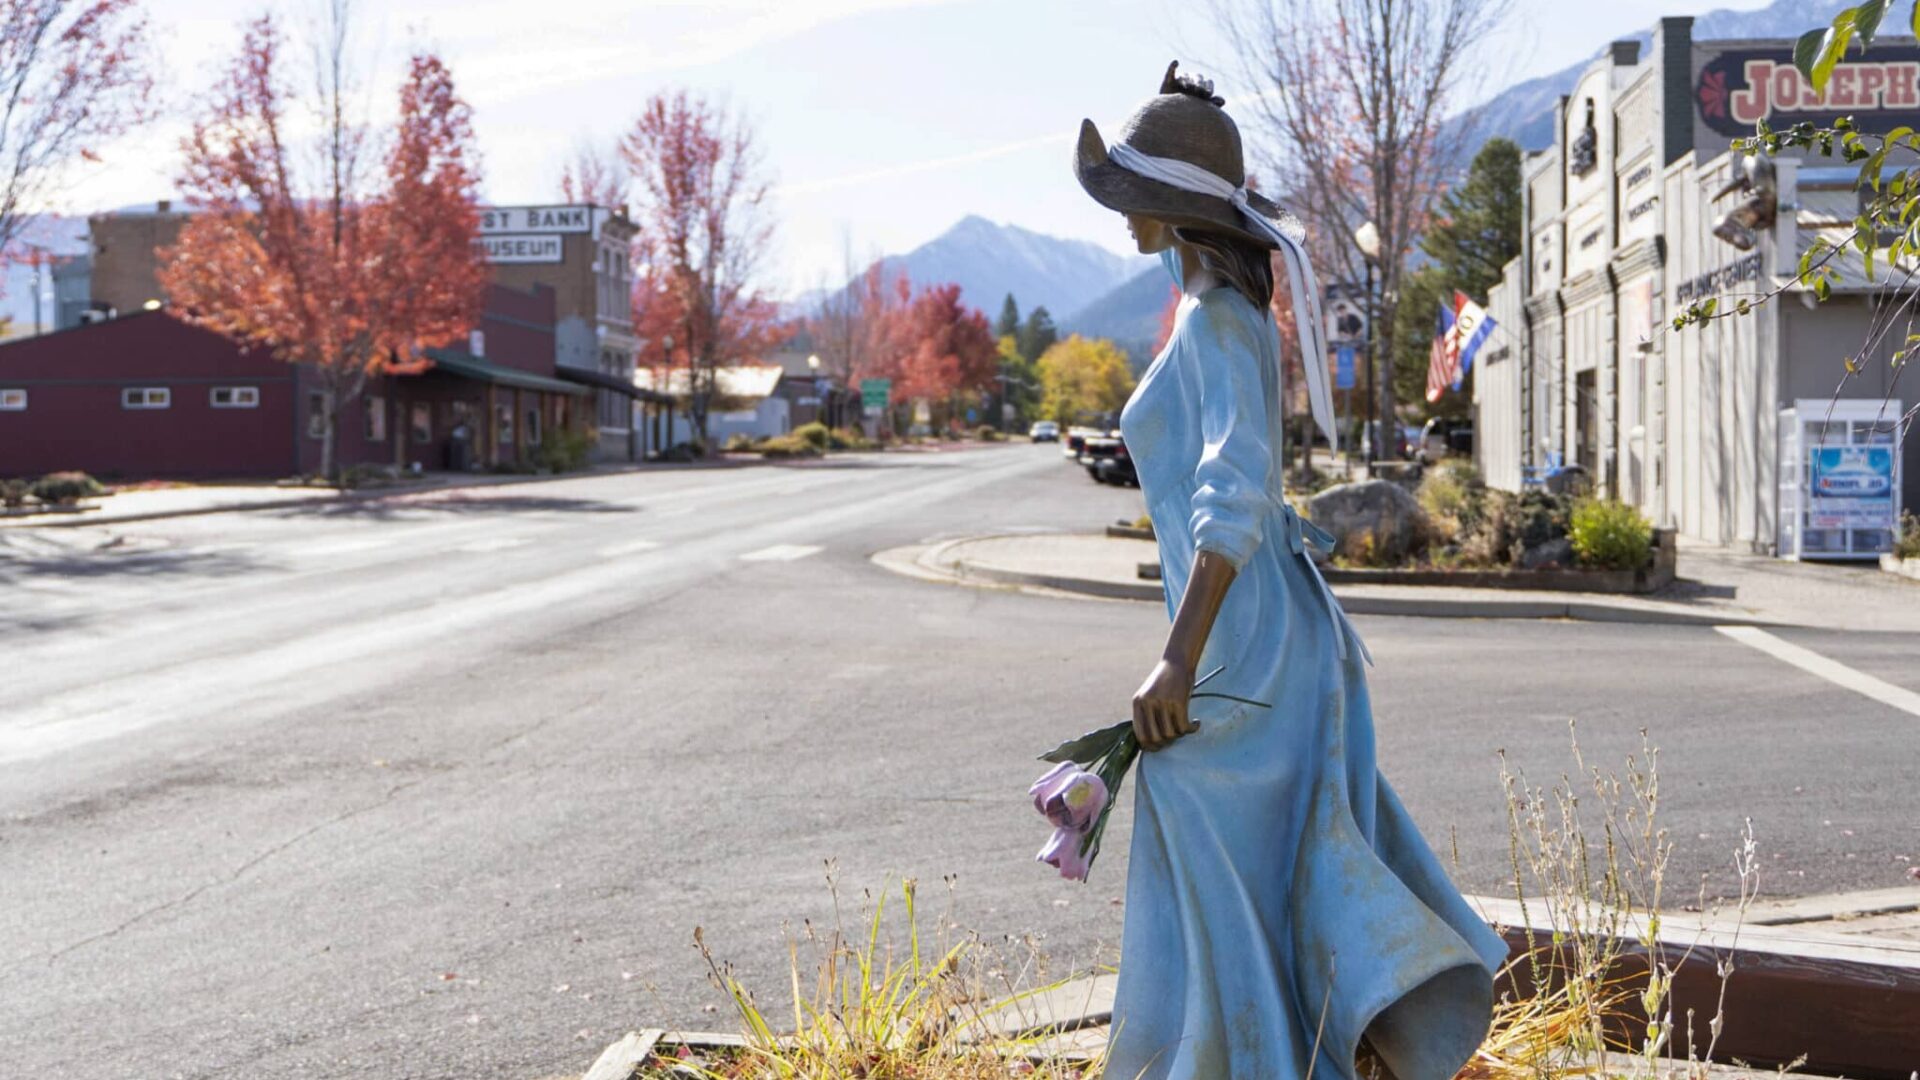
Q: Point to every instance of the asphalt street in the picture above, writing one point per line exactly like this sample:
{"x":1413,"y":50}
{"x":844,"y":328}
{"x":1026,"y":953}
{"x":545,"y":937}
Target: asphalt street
{"x":441,"y":786}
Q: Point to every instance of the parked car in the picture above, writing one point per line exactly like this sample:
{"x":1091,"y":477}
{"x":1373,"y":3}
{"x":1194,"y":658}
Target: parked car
{"x":1442,"y":437}
{"x":1044,"y":431}
{"x":1076,"y":437}
{"x":1107,"y":460}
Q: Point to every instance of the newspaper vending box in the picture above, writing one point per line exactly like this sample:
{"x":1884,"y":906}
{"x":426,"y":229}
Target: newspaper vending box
{"x":1839,"y":478}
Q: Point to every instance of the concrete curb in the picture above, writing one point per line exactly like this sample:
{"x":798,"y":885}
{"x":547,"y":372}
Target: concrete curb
{"x":938,"y":562}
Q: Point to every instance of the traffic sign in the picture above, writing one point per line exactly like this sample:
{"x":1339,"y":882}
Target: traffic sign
{"x":1343,"y":370}
{"x":875,"y":392}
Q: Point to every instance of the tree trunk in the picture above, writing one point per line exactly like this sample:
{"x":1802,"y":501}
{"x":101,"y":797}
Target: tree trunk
{"x":329,"y":409}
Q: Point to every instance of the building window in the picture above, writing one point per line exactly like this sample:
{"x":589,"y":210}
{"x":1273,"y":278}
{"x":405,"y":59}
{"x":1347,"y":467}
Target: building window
{"x":234,"y":397}
{"x":477,"y":342}
{"x":13,"y":401}
{"x":316,"y":416}
{"x":146,"y":397}
{"x":503,"y":418}
{"x":420,"y":423}
{"x":533,"y":427}
{"x":376,"y":418}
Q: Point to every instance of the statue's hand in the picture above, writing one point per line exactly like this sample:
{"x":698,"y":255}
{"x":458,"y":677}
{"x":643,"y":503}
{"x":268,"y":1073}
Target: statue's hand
{"x":1160,"y":705}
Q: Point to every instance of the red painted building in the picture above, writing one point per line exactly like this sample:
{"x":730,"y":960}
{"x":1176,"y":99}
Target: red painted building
{"x":148,"y":395}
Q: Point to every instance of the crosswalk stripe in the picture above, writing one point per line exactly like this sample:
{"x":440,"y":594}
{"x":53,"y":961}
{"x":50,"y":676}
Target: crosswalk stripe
{"x":631,"y":547}
{"x":1831,"y":670}
{"x":498,"y":543}
{"x":781,"y":553}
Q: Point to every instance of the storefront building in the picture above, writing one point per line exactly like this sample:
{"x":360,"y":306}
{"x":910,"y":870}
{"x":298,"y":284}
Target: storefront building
{"x":1620,"y":237}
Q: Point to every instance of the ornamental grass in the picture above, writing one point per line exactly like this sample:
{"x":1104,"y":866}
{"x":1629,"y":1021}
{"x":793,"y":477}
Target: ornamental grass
{"x":1589,"y":863}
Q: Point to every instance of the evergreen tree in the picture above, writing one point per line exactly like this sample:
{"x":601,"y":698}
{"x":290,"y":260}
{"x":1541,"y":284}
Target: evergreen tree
{"x":1475,"y":233}
{"x":1009,"y":319}
{"x":1038,"y":333}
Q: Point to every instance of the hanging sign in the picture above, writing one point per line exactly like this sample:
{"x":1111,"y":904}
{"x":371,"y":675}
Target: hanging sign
{"x":1343,"y":368}
{"x":1851,"y":488}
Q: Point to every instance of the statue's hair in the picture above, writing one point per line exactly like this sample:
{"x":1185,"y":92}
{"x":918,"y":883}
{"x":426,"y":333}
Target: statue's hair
{"x":1241,"y":263}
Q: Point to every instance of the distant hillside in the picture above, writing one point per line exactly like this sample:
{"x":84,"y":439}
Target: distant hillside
{"x":1129,"y":314}
{"x":1524,"y":112}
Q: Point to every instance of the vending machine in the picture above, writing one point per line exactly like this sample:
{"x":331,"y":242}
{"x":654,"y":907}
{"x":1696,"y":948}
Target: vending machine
{"x":1839,"y":478}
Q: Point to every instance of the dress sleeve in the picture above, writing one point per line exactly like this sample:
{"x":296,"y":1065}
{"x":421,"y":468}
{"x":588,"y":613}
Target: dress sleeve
{"x":1230,"y":482}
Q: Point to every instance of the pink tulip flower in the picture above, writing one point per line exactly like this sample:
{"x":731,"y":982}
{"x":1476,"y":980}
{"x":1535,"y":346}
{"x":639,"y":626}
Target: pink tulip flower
{"x":1063,"y":854}
{"x":1069,"y":796}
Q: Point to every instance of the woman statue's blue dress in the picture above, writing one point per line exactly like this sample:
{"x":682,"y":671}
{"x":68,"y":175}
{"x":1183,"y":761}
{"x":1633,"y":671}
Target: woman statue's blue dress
{"x":1279,"y":897}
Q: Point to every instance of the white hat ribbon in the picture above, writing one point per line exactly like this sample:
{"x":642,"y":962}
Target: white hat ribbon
{"x":1306,"y":288}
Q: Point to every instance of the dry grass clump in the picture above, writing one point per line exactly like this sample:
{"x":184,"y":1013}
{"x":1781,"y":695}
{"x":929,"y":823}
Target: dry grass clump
{"x":871,"y":1007}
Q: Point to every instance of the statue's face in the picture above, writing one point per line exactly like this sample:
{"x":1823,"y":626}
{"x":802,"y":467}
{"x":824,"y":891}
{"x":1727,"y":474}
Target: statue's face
{"x":1150,"y":235}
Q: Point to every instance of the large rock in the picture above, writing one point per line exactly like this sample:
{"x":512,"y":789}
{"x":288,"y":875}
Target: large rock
{"x":1376,"y":522}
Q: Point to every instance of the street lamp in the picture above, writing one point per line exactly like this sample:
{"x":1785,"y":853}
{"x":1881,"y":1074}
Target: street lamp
{"x":1367,"y":239}
{"x":820,"y":405}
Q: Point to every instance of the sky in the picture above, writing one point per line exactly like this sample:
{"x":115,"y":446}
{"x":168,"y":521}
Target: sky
{"x":881,"y":122}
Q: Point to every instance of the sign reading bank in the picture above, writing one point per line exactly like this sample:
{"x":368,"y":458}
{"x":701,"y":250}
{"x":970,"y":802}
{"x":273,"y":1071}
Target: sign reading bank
{"x":1738,"y":88}
{"x":530,"y":234}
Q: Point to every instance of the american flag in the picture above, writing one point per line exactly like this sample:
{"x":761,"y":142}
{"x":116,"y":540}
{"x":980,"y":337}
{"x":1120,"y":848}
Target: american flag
{"x":1443,"y":363}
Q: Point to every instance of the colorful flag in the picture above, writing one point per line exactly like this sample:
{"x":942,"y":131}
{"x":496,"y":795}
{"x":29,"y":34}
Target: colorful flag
{"x":1471,"y":328}
{"x":1440,"y":369}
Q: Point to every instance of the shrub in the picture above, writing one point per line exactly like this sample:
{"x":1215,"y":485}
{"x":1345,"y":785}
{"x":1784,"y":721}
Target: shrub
{"x":815,"y":434}
{"x":1610,"y":535}
{"x":741,"y":443}
{"x":1906,"y":545}
{"x":564,"y":450}
{"x":65,"y":488}
{"x":844,"y":438}
{"x":791,"y":445}
{"x":1510,"y":524}
{"x":1454,"y":497}
{"x":13,"y":493}
{"x":989,"y":433}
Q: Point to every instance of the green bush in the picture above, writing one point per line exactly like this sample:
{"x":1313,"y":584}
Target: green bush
{"x":1906,"y":545}
{"x":815,"y":434}
{"x":741,"y":443}
{"x":564,"y":450}
{"x":1509,"y":524}
{"x":989,"y":433}
{"x":1610,"y":535}
{"x":66,"y":487}
{"x":791,"y":445}
{"x":13,"y":493}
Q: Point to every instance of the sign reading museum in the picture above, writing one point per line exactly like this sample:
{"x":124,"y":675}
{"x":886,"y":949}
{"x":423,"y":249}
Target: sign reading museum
{"x":521,"y":249}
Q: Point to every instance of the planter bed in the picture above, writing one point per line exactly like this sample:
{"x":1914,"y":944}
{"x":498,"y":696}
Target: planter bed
{"x":1894,"y":564}
{"x":1591,"y":581}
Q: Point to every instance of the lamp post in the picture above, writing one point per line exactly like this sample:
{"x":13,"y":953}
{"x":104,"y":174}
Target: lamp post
{"x":1367,"y":239}
{"x":820,"y":407}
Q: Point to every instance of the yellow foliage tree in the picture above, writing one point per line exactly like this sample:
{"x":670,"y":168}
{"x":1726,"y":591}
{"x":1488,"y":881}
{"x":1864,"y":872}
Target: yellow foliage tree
{"x":1084,"y":380}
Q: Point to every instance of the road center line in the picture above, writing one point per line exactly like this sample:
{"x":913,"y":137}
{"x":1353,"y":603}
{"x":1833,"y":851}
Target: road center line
{"x":781,"y":553}
{"x":631,"y":547}
{"x":1831,"y":670}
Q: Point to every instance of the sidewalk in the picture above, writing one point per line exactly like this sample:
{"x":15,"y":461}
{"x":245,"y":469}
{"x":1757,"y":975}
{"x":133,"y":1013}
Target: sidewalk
{"x":1715,"y":587}
{"x":188,"y":500}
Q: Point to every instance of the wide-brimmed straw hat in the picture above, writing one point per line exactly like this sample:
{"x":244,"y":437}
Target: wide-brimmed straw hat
{"x":1185,"y":122}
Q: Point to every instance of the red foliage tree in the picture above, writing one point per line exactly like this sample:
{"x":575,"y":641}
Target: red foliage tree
{"x":593,"y":178}
{"x":940,"y":347}
{"x":1169,"y":314}
{"x":75,"y":74}
{"x":347,"y":270}
{"x":701,"y":204}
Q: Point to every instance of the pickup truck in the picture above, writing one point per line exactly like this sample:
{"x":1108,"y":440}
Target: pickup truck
{"x":1107,"y":461}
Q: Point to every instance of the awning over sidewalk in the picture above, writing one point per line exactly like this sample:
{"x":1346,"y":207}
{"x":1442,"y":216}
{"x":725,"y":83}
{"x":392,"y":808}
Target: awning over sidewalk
{"x":614,"y":383}
{"x":468,"y":366}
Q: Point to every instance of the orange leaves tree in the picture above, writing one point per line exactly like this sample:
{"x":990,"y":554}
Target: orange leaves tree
{"x":74,"y":74}
{"x":942,"y":347}
{"x":309,"y":251}
{"x":700,"y":201}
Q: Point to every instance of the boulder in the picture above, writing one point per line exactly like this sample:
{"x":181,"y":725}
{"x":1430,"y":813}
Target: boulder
{"x":1375,"y":521}
{"x":1556,"y":553}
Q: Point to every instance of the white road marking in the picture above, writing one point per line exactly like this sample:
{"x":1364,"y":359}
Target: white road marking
{"x":1831,"y":670}
{"x":342,"y":547}
{"x":781,"y":553}
{"x":631,"y":547}
{"x":498,"y":543}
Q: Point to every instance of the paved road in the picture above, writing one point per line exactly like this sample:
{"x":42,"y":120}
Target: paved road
{"x":440,"y":787}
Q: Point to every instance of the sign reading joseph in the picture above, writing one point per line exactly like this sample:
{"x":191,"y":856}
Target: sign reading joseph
{"x":1739,"y":87}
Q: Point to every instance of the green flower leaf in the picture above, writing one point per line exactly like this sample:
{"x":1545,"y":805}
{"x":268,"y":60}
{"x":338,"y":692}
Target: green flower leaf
{"x":1090,"y":747}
